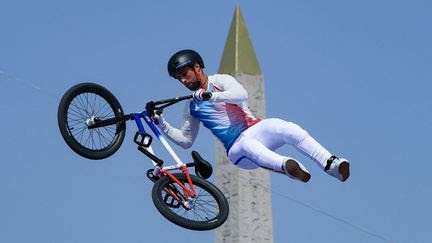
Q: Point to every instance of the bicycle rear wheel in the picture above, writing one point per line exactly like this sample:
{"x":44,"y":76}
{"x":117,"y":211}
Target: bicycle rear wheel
{"x":83,"y":104}
{"x":208,"y":210}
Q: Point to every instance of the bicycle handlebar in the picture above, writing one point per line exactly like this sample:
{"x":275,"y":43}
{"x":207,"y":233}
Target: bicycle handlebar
{"x":153,"y":106}
{"x":172,"y":100}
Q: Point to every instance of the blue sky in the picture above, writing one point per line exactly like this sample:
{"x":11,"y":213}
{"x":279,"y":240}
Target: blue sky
{"x":355,"y":74}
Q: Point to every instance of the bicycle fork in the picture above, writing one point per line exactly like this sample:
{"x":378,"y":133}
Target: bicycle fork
{"x":188,"y":198}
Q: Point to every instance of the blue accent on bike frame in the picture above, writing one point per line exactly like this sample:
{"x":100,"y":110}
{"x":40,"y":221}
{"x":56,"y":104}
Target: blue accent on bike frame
{"x":137,"y":117}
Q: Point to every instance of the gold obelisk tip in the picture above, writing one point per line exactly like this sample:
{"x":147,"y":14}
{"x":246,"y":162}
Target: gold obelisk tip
{"x":239,"y":55}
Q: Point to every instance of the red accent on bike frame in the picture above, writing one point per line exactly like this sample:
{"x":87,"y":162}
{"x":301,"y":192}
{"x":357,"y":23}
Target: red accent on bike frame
{"x":187,"y":192}
{"x":170,"y":191}
{"x":184,"y":169}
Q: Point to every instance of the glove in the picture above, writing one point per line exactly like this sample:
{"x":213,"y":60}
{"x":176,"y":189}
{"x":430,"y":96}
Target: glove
{"x":158,"y":119}
{"x":201,"y":94}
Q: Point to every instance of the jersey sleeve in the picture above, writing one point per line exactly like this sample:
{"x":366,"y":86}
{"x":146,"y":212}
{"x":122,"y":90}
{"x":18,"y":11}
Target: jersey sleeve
{"x":231,"y":91}
{"x":185,"y":136}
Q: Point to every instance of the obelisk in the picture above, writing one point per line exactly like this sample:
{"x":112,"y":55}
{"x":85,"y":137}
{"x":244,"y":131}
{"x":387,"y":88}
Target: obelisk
{"x":247,"y":191}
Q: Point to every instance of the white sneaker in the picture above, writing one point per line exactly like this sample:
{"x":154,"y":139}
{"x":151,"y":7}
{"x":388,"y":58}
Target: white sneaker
{"x":295,"y":170}
{"x":338,"y":167}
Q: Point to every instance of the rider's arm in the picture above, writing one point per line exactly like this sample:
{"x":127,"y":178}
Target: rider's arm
{"x":231,"y":91}
{"x":185,"y":136}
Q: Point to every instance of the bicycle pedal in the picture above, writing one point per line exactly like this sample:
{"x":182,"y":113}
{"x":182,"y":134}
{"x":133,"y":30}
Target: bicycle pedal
{"x":151,"y":176}
{"x":143,"y":139}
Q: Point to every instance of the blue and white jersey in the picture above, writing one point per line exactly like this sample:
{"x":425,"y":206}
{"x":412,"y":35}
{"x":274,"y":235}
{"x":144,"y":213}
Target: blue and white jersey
{"x":226,"y":114}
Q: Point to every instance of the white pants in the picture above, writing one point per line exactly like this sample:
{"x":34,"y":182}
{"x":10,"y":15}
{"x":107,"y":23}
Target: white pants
{"x":256,"y":145}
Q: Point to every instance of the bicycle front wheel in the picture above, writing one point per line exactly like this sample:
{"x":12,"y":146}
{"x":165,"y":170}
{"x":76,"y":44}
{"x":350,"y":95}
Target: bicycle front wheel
{"x":80,"y":106}
{"x":207,"y":210}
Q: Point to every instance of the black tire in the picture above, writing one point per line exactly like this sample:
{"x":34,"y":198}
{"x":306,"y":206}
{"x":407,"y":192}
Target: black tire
{"x":82,"y":102}
{"x":209,"y":201}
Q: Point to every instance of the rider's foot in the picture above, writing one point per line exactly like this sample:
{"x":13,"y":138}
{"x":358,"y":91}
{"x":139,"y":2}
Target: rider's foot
{"x":338,"y":167}
{"x":296,"y":170}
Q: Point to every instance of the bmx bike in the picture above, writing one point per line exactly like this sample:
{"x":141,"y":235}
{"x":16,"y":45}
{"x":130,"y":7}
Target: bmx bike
{"x":92,"y":123}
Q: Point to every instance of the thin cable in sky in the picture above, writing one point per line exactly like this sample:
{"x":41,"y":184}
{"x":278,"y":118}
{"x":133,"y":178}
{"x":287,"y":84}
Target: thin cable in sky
{"x":10,"y":78}
{"x":322,"y":212}
{"x":343,"y":221}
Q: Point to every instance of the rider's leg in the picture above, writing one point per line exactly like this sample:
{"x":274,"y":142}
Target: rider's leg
{"x":276,"y":132}
{"x":254,"y":148}
{"x":249,"y":153}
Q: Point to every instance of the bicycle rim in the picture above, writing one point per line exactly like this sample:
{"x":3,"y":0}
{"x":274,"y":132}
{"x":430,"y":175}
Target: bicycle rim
{"x":84,"y":107}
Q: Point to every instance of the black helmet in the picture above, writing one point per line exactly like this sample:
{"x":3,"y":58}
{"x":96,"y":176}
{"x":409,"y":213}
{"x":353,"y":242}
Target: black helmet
{"x":184,"y":58}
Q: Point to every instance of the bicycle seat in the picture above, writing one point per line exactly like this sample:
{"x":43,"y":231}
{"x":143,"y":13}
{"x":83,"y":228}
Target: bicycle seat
{"x":202,"y":167}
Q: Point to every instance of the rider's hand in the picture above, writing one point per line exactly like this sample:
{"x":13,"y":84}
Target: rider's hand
{"x":201,"y":94}
{"x":158,"y":119}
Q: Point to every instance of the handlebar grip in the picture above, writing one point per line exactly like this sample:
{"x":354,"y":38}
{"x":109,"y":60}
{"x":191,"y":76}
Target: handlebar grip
{"x":159,"y":112}
{"x":207,"y":95}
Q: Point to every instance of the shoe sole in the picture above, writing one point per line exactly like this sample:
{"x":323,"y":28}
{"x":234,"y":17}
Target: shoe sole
{"x":344,"y":170}
{"x":293,"y":168}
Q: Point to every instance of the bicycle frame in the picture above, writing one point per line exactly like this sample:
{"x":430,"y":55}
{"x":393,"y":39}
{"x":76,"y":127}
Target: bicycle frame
{"x":146,"y":148}
{"x":144,"y":145}
{"x":158,"y":170}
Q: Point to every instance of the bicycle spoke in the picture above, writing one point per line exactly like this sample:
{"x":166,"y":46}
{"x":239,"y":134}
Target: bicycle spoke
{"x":100,"y":138}
{"x":87,"y":102}
{"x":98,"y":111}
{"x":78,"y":109}
{"x":83,"y":104}
{"x":103,"y":137}
{"x":94,"y":103}
{"x":107,"y":112}
{"x":206,"y":211}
